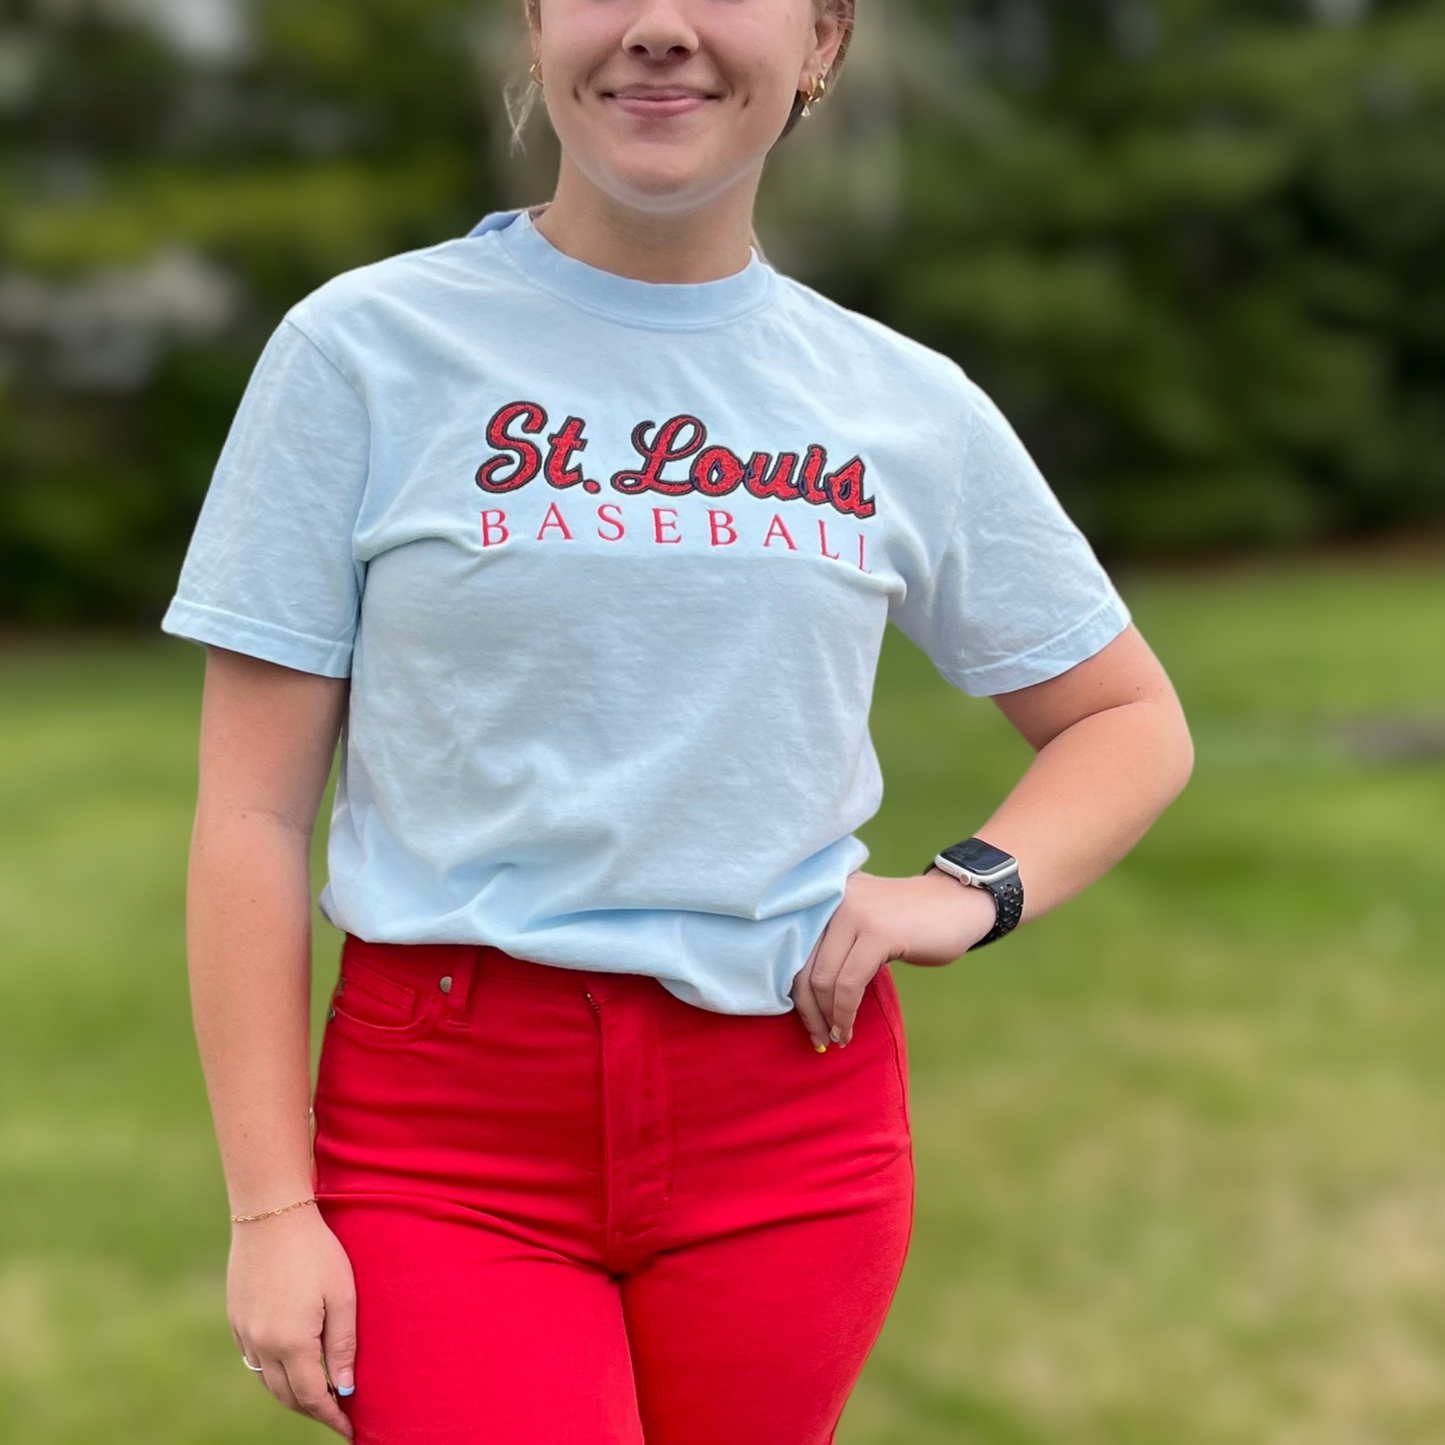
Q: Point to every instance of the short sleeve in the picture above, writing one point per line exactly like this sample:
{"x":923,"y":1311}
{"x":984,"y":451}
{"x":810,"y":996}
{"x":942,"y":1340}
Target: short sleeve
{"x":271,"y":568}
{"x":1010,"y":593}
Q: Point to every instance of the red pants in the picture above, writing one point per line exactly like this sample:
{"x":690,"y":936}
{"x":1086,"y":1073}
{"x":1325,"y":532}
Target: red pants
{"x":582,"y":1212}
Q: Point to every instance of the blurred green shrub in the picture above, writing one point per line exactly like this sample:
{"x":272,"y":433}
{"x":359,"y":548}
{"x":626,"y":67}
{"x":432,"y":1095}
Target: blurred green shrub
{"x":1193,"y":247}
{"x":1189,"y":245}
{"x":166,"y":192}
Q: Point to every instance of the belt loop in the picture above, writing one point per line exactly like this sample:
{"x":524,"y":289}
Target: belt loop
{"x":460,"y":968}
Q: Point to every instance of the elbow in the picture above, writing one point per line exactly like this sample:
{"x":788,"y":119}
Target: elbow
{"x":1164,"y":751}
{"x":1180,"y":754}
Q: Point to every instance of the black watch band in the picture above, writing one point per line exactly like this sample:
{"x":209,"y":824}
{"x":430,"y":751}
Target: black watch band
{"x":1007,"y":893}
{"x":1008,"y":897}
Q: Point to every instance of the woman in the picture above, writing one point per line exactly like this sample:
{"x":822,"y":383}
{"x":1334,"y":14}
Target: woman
{"x":581,"y":533}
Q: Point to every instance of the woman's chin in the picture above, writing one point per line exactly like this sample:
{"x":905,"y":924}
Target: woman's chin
{"x":666,"y":187}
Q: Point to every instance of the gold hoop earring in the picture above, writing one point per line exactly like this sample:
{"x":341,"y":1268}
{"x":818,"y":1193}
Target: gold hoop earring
{"x":816,"y":86}
{"x":536,"y":71}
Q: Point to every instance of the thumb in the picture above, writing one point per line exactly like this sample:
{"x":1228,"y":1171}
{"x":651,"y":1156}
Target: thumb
{"x":338,"y":1341}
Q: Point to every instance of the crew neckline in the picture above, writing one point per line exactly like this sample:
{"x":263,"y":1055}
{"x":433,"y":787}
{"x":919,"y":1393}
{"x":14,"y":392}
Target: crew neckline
{"x":665,"y":305}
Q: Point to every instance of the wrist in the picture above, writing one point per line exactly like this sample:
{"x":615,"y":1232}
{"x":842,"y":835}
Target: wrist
{"x":264,"y":1192}
{"x":980,"y":865}
{"x":268,"y":1202}
{"x":975,"y":907}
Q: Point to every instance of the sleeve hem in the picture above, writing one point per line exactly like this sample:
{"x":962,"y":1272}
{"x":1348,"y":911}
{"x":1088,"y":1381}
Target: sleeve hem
{"x":1049,"y":659}
{"x":298,"y":650}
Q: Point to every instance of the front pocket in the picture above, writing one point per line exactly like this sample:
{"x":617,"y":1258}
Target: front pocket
{"x":885,"y":990}
{"x":373,"y":1007}
{"x":367,"y":996}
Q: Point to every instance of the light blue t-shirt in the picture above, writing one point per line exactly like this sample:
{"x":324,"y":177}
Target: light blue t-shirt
{"x":608,"y":563}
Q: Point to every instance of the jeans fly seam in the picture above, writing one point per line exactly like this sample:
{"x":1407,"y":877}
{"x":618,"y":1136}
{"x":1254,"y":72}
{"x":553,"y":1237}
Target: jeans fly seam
{"x":606,"y":1127}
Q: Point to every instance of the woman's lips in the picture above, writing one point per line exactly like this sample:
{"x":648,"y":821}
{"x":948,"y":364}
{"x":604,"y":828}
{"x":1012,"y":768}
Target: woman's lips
{"x":655,"y":106}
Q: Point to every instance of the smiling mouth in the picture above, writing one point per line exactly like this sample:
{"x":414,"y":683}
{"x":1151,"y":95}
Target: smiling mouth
{"x":658,"y":102}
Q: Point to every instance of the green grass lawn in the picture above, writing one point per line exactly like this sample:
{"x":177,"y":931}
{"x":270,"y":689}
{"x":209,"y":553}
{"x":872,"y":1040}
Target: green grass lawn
{"x":1180,"y":1144}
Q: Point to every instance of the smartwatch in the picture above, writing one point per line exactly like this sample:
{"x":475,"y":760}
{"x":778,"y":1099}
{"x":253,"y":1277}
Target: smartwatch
{"x":981,"y":865}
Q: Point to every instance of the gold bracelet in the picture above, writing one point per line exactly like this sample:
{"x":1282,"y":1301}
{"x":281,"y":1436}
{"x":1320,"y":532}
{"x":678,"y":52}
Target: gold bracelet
{"x":267,"y":1213}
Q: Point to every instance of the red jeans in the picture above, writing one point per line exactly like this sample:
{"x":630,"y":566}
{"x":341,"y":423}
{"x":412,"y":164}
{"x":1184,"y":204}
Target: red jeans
{"x":583,"y":1212}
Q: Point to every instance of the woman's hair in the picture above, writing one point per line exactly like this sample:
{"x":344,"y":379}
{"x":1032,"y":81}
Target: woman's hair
{"x":520,"y":92}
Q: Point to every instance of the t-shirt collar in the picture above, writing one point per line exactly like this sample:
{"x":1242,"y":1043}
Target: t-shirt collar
{"x":668,"y":305}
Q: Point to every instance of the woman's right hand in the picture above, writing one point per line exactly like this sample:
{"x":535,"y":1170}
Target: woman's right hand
{"x":291,"y":1299}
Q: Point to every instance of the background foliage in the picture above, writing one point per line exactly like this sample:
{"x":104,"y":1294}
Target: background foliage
{"x":1189,"y":245}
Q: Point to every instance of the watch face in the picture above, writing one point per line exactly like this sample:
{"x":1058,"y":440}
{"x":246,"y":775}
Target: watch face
{"x":977,"y":856}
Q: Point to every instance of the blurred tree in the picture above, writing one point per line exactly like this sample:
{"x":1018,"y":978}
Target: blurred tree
{"x":1188,"y":244}
{"x":167,"y":190}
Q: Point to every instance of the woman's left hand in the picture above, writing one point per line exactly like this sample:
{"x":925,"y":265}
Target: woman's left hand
{"x":929,"y":920}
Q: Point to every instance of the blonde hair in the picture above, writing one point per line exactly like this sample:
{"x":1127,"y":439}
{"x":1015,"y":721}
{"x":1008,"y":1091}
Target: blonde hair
{"x":520,"y":91}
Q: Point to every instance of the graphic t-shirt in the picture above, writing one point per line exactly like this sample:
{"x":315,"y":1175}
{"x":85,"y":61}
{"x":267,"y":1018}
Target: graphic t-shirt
{"x":608,"y":564}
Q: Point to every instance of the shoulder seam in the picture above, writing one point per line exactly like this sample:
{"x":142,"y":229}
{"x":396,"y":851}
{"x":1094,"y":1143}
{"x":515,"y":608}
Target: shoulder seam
{"x":289,"y":320}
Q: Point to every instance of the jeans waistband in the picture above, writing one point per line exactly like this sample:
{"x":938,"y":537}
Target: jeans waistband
{"x":461,"y":963}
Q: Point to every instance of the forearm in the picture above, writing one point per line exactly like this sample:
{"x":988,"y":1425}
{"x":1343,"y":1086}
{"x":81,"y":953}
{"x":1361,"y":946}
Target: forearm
{"x":249,"y":960}
{"x":1089,"y":796}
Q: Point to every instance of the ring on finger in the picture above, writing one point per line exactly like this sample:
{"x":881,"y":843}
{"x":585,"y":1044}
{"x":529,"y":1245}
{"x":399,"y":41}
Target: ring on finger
{"x":255,"y":1369}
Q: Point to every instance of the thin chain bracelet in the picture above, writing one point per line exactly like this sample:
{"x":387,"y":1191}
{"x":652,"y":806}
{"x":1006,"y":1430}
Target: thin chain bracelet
{"x":267,"y":1213}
